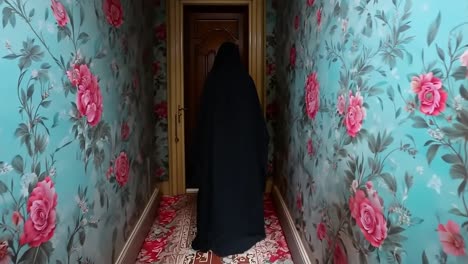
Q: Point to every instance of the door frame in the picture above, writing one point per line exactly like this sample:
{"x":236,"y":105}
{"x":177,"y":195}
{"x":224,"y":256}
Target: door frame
{"x":175,"y":76}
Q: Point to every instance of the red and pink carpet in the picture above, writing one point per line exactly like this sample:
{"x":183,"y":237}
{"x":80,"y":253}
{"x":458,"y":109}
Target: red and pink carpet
{"x":170,"y":237}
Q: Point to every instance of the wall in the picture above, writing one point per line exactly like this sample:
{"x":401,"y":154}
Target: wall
{"x":76,"y":128}
{"x":373,"y":136}
{"x":160,"y":84}
{"x":161,"y":153}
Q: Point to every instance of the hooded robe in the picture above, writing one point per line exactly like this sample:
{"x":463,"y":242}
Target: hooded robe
{"x":229,"y":158}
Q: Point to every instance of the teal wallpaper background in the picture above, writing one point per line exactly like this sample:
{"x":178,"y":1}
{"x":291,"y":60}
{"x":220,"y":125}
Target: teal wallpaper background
{"x":372,"y":146}
{"x":76,"y":131}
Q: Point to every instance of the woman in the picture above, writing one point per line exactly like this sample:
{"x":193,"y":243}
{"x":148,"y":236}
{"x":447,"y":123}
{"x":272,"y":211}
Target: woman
{"x":230,"y":159}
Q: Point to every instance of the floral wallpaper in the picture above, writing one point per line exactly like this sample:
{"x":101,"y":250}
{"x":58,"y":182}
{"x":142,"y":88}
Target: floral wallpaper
{"x":271,"y":82}
{"x":160,"y":85}
{"x":77,"y":128}
{"x":372,"y":146}
{"x":161,"y":153}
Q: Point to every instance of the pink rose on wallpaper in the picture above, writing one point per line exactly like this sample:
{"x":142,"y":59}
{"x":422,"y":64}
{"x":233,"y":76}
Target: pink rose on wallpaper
{"x":296,"y":22}
{"x":79,"y":75}
{"x":369,"y":218}
{"x":355,"y":114}
{"x":114,"y":12}
{"x":161,"y":32}
{"x":271,"y":67}
{"x":310,"y":147}
{"x":339,"y":255}
{"x":271,"y":110}
{"x":319,"y":17}
{"x":156,"y":68}
{"x":60,"y":13}
{"x":89,"y":102}
{"x":161,"y":110}
{"x":431,"y":96}
{"x":40,"y":226}
{"x":341,"y":105}
{"x":121,"y":168}
{"x":292,"y":56}
{"x":160,"y":172}
{"x":310,"y":2}
{"x":124,"y":131}
{"x":299,"y":201}
{"x":464,"y":59}
{"x":312,"y":95}
{"x":5,"y":257}
{"x":17,"y":218}
{"x":109,"y":172}
{"x":321,"y":231}
{"x":452,"y":242}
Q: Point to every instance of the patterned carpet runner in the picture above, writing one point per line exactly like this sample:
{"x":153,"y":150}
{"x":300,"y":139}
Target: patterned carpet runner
{"x":170,"y":237}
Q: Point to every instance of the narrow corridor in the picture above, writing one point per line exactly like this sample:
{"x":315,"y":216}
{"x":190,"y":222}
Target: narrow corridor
{"x":169,"y":239}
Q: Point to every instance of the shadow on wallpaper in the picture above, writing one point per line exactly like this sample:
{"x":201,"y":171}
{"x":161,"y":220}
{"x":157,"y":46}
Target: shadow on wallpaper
{"x":76,"y":130}
{"x":373,"y":150}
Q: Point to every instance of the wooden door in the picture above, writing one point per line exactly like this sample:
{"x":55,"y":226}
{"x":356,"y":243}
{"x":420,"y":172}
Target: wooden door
{"x":205,"y":29}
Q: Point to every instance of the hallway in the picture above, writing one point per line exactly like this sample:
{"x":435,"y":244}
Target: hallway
{"x":170,"y":237}
{"x":366,"y":102}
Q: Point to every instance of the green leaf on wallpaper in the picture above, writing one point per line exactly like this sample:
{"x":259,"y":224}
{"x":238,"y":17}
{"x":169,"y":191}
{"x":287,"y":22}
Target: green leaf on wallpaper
{"x":440,"y":53}
{"x":40,"y":143}
{"x":409,"y":180}
{"x":37,"y":255}
{"x":3,"y":187}
{"x":83,"y":37}
{"x":30,"y":91}
{"x":456,"y":211}
{"x":45,"y":104}
{"x":55,"y":120}
{"x":433,"y":30}
{"x":82,"y":16}
{"x":425,"y":260}
{"x":46,"y":15}
{"x":431,"y":152}
{"x":463,"y":92}
{"x":419,"y":122}
{"x":398,"y":112}
{"x":460,"y":73}
{"x":390,"y":181}
{"x":82,"y":236}
{"x":457,"y":132}
{"x":7,"y":12}
{"x":462,"y":187}
{"x":458,"y":171}
{"x":11,"y":56}
{"x":451,"y":158}
{"x":380,"y":102}
{"x":18,"y":164}
{"x":13,"y":20}
{"x":31,"y":13}
{"x":391,"y":93}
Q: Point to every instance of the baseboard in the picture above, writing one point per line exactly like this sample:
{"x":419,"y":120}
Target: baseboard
{"x":299,"y":252}
{"x":133,"y":245}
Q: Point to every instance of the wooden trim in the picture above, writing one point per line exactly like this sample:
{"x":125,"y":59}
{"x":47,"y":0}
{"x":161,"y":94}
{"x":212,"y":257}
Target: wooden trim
{"x":132,"y":247}
{"x":299,"y":252}
{"x":175,"y":82}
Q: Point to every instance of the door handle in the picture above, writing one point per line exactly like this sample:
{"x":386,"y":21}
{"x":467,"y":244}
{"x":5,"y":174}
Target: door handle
{"x":179,"y":112}
{"x":178,"y":115}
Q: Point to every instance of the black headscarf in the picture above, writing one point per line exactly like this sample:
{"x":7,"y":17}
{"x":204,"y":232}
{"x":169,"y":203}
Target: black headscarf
{"x":230,"y":158}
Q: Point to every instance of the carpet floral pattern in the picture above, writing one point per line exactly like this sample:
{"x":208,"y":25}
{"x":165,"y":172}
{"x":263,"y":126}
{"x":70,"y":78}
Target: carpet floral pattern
{"x":169,"y":239}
